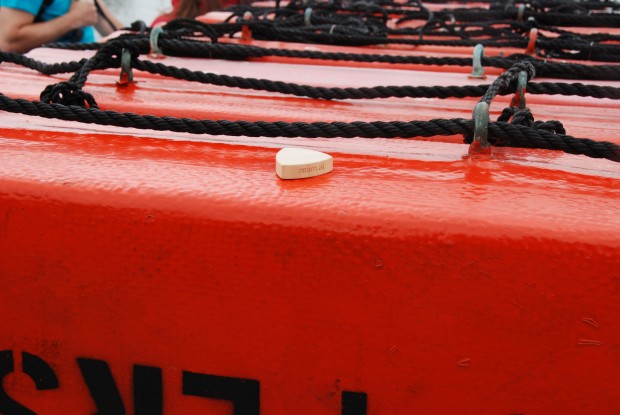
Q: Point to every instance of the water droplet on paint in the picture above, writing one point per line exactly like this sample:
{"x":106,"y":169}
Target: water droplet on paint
{"x":378,"y":263}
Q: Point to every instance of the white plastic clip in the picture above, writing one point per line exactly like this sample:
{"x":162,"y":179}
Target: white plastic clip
{"x":300,"y":163}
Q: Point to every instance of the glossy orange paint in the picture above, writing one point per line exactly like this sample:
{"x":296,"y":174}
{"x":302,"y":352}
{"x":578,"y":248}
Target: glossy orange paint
{"x":432,"y":282}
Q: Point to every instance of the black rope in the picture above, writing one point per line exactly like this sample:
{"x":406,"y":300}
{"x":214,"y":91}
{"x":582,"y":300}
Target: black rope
{"x":500,"y":133}
{"x":549,"y":15}
{"x":567,"y":46}
{"x":515,"y":127}
{"x":42,"y":67}
{"x":199,"y":49}
{"x":574,"y":48}
{"x":238,"y":52}
{"x":442,"y":92}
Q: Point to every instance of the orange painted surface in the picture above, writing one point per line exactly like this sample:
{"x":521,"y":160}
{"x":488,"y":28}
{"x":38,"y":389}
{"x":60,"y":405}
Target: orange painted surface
{"x":433,"y":283}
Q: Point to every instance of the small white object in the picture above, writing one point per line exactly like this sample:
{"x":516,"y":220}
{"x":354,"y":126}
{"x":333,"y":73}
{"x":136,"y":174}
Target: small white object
{"x":299,"y":163}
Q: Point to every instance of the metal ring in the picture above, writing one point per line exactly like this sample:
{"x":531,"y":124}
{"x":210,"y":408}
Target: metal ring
{"x":308,"y":16}
{"x":481,"y":129}
{"x":154,"y":40}
{"x":477,"y":71}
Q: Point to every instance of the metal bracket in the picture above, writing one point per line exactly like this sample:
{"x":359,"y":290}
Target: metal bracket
{"x":531,"y":45}
{"x":126,"y":70}
{"x":518,"y":100}
{"x":246,"y":32}
{"x":477,"y":71}
{"x":481,"y":144}
{"x":156,"y":52}
{"x":308,"y":16}
{"x":520,"y":12}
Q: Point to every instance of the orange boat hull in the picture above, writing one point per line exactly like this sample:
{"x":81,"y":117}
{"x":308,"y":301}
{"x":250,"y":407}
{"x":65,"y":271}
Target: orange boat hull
{"x":164,"y":273}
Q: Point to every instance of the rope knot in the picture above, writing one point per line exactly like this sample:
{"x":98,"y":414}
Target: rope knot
{"x":67,"y":93}
{"x":509,"y":78}
{"x":514,"y":115}
{"x":524,"y":117}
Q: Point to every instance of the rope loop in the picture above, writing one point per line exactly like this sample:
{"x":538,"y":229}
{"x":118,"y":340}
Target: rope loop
{"x":524,"y":117}
{"x":508,"y":80}
{"x":67,"y":93}
{"x":190,"y":27}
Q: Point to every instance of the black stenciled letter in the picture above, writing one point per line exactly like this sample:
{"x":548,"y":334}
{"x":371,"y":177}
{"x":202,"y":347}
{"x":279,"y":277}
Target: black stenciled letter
{"x":36,"y":368}
{"x":243,"y":393}
{"x":354,"y":403}
{"x":147,"y":388}
{"x":102,"y":387}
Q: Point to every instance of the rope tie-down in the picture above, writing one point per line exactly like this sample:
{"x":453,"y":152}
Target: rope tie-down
{"x":67,"y":93}
{"x":499,"y":133}
{"x":131,"y":49}
{"x":67,"y":101}
{"x":514,"y":79}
